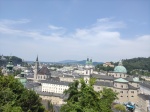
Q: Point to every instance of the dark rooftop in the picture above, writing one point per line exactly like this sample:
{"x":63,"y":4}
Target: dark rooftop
{"x":51,"y":81}
{"x":145,"y":97}
{"x":103,"y":83}
{"x":44,"y":71}
{"x":103,"y":77}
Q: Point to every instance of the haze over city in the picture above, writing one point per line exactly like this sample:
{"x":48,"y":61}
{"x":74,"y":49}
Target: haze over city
{"x":57,"y":30}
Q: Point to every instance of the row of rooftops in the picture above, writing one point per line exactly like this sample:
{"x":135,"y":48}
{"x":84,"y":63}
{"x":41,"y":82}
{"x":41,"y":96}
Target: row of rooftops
{"x":30,"y":85}
{"x":51,"y":81}
{"x":112,"y":78}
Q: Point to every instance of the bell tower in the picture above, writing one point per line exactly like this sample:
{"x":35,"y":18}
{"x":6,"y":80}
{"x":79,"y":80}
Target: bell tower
{"x":36,"y":68}
{"x":88,"y":70}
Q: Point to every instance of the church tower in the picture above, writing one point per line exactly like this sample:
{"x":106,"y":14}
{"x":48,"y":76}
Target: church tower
{"x":88,"y":70}
{"x":9,"y":67}
{"x":36,"y":68}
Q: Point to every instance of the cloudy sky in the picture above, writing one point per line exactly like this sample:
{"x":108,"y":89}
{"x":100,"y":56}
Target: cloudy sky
{"x":104,"y":30}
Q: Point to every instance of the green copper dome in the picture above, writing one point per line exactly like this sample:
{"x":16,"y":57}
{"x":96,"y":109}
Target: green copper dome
{"x":89,"y":61}
{"x":120,"y":68}
{"x":120,"y":80}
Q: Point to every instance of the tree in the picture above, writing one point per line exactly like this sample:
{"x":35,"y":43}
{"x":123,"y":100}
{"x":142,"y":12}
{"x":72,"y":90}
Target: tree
{"x":120,"y":108}
{"x":50,"y":106}
{"x":83,"y":98}
{"x":1,"y":72}
{"x":15,"y":98}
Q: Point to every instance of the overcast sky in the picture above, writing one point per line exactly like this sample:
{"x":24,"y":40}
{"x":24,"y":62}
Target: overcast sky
{"x":55,"y":30}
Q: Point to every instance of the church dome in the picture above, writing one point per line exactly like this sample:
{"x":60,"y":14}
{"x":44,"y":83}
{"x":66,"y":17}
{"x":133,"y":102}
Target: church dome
{"x":120,"y":68}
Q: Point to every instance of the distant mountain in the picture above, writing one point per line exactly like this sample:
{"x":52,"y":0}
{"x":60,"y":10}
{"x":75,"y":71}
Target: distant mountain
{"x":67,"y":61}
{"x":77,"y":62}
{"x":4,"y":60}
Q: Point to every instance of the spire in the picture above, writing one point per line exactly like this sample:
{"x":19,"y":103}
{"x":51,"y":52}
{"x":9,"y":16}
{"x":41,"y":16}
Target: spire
{"x":87,"y":59}
{"x":120,"y":63}
{"x":37,"y":58}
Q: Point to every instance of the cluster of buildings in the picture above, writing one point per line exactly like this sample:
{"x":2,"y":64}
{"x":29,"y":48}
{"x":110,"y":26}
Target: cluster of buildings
{"x":50,"y":85}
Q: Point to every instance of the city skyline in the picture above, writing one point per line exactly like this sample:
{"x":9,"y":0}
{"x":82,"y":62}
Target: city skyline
{"x":62,"y":30}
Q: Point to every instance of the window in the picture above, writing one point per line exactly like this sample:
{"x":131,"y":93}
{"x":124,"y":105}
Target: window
{"x":132,"y":96}
{"x":121,"y":86}
{"x":127,"y":96}
{"x":121,"y":96}
{"x":132,"y":91}
{"x":121,"y":91}
{"x":86,"y":72}
{"x":98,"y":87}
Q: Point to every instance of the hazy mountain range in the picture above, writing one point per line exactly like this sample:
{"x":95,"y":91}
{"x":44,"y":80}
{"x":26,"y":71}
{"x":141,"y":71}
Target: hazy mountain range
{"x":77,"y":62}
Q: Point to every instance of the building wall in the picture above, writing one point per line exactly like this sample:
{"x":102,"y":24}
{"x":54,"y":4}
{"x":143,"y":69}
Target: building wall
{"x":144,"y":90}
{"x":143,"y":104}
{"x":67,"y":79}
{"x":123,"y":95}
{"x":134,"y":84}
{"x":42,"y":77}
{"x":118,"y":75}
{"x":55,"y":88}
{"x":133,"y":95}
{"x":53,"y":99}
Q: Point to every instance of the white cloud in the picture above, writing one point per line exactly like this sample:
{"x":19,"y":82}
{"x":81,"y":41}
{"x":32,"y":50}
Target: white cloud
{"x":12,"y":22}
{"x":52,"y":27}
{"x":101,"y":41}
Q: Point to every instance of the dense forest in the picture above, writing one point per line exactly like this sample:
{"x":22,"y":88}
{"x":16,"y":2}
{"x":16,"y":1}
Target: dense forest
{"x":139,"y":66}
{"x":137,"y":63}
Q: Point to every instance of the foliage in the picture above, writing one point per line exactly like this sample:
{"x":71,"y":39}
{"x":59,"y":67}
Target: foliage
{"x":50,"y":107}
{"x":16,"y":72}
{"x":101,"y":67}
{"x":1,"y":72}
{"x":120,"y":108}
{"x":83,"y":98}
{"x":137,"y":63}
{"x":15,"y":98}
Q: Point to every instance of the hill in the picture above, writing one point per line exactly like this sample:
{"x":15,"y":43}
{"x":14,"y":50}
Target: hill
{"x":4,"y":60}
{"x":140,"y":63}
{"x":77,"y":62}
{"x":139,"y":66}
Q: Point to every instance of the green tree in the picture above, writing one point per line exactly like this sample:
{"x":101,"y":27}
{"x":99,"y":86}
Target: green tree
{"x":83,"y":98}
{"x":50,"y":106}
{"x":13,"y":96}
{"x":120,"y":108}
{"x":1,"y":71}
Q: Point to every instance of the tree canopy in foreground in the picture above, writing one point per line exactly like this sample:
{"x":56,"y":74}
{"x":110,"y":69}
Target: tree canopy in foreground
{"x":83,"y":98}
{"x":15,"y":98}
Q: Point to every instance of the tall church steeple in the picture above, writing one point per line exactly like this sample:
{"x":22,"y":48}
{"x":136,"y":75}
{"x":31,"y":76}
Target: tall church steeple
{"x":36,"y":68}
{"x":88,"y":70}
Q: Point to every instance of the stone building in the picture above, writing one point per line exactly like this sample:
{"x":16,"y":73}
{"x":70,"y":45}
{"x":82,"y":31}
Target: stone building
{"x":127,"y":86}
{"x":41,"y":74}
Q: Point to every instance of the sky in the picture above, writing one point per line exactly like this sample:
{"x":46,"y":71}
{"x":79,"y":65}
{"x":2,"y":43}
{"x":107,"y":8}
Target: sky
{"x":56,"y":30}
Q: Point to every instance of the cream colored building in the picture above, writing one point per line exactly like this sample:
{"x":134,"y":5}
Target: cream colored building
{"x":108,"y":64}
{"x":127,"y":86}
{"x":55,"y":98}
{"x":54,"y":86}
